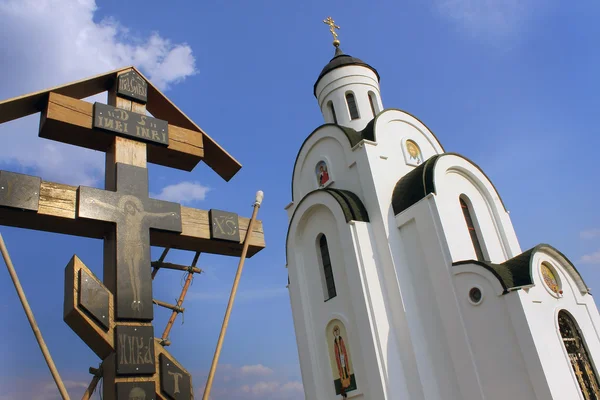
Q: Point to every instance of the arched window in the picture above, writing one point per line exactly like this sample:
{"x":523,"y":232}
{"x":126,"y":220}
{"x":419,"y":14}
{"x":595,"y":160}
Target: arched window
{"x":578,"y":356}
{"x":351,"y":100}
{"x":373,"y":102}
{"x":329,"y":288}
{"x":332,"y":111}
{"x":467,"y":212}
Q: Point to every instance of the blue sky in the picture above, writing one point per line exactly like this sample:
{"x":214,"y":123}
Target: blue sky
{"x":511,"y":84}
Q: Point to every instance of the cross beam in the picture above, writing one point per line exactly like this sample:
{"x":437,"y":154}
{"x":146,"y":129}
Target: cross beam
{"x":52,"y":207}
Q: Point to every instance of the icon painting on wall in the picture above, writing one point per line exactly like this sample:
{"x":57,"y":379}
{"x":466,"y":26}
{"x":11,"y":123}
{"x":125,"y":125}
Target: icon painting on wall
{"x":550,"y":278}
{"x":413,"y":153}
{"x":322,"y":173}
{"x":339,"y":354}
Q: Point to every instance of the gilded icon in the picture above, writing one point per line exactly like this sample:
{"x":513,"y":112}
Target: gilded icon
{"x":339,"y":354}
{"x":322,"y":173}
{"x":550,"y":278}
{"x":414,"y":155}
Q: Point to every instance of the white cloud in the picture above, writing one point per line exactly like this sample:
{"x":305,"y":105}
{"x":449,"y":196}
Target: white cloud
{"x":183,"y":192}
{"x":257,"y":369}
{"x":592,"y":258}
{"x":490,"y":18}
{"x":590,"y":234}
{"x":38,"y":53}
{"x":248,"y":383}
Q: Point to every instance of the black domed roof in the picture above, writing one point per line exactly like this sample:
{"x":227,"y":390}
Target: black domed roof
{"x":342,"y":60}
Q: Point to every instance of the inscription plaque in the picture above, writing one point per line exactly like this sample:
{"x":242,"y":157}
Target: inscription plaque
{"x":175,"y":383}
{"x":93,"y":298}
{"x":224,"y":225}
{"x":135,"y":391}
{"x":19,"y":191}
{"x":132,"y":86}
{"x":134,"y":214}
{"x":131,"y":124}
{"x":135,"y":350}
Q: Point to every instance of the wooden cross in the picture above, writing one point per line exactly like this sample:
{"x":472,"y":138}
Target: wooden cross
{"x":114,"y":317}
{"x":133,"y":214}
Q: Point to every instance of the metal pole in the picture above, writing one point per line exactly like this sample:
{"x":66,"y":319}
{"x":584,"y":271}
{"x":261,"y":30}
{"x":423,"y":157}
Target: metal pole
{"x":34,"y":327}
{"x":236,"y":281}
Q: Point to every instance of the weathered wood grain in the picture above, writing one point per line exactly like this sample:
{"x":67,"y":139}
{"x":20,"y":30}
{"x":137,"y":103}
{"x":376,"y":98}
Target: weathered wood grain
{"x":69,"y":120}
{"x":57,"y":213}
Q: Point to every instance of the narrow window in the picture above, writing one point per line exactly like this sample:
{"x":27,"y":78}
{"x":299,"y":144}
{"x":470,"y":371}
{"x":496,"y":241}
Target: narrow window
{"x":471,"y":227}
{"x":352,"y":105}
{"x":372,"y":102}
{"x":578,"y":356}
{"x":332,"y":110}
{"x":327,"y":270}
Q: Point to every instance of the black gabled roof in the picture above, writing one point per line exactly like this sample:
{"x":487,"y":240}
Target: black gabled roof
{"x":342,"y":60}
{"x":419,"y":182}
{"x":414,"y":186}
{"x":517,"y":272}
{"x":352,"y":206}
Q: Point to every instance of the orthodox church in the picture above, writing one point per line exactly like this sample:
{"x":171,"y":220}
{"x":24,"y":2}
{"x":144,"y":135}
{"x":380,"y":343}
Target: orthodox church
{"x":406,"y":277}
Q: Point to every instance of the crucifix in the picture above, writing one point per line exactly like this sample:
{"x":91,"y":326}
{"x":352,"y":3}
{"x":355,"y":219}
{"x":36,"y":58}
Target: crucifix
{"x":332,"y":27}
{"x":114,"y":316}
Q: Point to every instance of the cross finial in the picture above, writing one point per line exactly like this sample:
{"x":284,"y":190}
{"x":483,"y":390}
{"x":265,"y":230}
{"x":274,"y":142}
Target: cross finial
{"x":332,"y":27}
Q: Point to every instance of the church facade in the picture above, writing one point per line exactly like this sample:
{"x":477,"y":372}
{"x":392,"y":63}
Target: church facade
{"x":406,"y":277}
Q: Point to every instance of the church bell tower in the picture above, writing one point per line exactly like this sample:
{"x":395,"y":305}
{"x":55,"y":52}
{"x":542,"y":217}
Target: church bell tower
{"x":406,"y":277}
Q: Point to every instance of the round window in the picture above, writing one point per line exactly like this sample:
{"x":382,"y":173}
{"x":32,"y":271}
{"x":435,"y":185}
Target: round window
{"x":475,"y":295}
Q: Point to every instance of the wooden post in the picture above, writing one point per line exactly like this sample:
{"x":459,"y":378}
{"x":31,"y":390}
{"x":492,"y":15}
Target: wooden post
{"x":92,"y":387}
{"x":188,"y":281}
{"x":32,"y":322}
{"x":236,"y":281}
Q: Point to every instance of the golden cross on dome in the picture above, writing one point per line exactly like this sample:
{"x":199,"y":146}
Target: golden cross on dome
{"x":332,"y":27}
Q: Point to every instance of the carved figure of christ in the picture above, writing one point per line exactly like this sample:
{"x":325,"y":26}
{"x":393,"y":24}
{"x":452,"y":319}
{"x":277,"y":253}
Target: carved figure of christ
{"x":134,"y":214}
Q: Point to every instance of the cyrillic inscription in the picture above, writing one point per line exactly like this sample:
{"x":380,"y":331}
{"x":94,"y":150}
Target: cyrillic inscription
{"x":131,"y":124}
{"x":135,"y":350}
{"x":224,"y":225}
{"x":133,"y":86}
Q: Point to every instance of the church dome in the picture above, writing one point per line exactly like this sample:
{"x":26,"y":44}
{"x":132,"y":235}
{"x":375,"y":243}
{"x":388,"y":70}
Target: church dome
{"x":342,"y":60}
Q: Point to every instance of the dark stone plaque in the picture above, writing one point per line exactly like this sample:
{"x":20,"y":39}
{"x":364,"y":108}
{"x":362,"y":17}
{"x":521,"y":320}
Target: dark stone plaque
{"x":19,"y":191}
{"x":175,"y":383}
{"x":93,"y":298}
{"x":131,"y":124}
{"x":134,"y":214}
{"x":136,"y":391}
{"x":132,"y":86}
{"x":134,"y":346}
{"x":224,"y":225}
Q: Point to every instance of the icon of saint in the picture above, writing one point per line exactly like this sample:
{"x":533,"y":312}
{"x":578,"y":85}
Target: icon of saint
{"x":322,"y":173}
{"x":414,"y":152}
{"x":341,"y":359}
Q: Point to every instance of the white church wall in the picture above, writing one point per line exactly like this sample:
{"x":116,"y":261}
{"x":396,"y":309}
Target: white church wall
{"x":445,"y":368}
{"x":392,"y":324}
{"x":388,"y":161}
{"x":455,"y":176}
{"x":494,"y":344}
{"x":320,"y":214}
{"x":541,"y":308}
{"x":371,"y":280}
{"x":331,"y":145}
